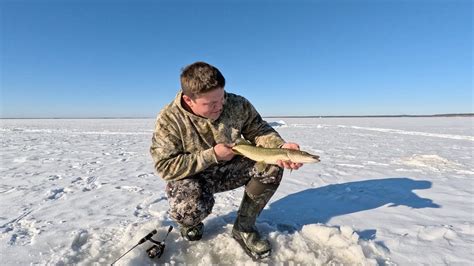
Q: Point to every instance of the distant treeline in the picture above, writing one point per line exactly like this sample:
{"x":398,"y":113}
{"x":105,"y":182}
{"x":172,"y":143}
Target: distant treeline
{"x":369,"y":116}
{"x":272,"y":116}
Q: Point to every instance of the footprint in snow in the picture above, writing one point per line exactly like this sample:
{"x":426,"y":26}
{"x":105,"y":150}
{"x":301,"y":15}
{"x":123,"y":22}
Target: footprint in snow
{"x":79,"y":239}
{"x":24,"y":232}
{"x":144,"y":175}
{"x":131,"y":188}
{"x":76,"y":179}
{"x":91,"y":184}
{"x":430,"y":233}
{"x":53,"y":177}
{"x":140,"y":212}
{"x":55,"y":193}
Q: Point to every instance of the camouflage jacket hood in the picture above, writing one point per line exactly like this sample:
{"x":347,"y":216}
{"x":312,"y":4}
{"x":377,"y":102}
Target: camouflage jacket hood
{"x":183,"y":143}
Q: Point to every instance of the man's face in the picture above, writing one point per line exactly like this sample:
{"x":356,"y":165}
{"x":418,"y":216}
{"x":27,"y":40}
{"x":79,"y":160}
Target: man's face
{"x":208,"y":105}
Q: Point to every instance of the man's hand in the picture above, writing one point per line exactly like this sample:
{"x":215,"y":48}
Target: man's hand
{"x":289,"y":164}
{"x":224,"y":152}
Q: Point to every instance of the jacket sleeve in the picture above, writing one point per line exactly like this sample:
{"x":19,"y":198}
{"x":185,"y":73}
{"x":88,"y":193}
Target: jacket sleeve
{"x":258,"y":131}
{"x":171,"y":162}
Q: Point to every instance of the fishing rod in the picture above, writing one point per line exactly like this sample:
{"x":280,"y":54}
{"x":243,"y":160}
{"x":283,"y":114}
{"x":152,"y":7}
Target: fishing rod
{"x":154,"y":251}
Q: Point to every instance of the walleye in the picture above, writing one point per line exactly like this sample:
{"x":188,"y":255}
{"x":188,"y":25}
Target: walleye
{"x":271,"y":155}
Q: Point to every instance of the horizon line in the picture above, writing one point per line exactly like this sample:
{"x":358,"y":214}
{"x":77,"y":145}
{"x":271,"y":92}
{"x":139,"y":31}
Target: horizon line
{"x":266,"y":116}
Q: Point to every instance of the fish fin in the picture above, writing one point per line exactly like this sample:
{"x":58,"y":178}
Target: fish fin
{"x":260,"y":166}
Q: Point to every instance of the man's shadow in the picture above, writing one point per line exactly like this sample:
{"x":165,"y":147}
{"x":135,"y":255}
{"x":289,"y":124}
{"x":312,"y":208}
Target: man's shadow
{"x":319,"y":205}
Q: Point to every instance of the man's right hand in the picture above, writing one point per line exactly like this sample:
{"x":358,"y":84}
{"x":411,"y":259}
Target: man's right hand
{"x":224,"y":152}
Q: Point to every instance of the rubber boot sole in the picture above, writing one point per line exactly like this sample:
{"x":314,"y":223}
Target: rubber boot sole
{"x":254,"y":255}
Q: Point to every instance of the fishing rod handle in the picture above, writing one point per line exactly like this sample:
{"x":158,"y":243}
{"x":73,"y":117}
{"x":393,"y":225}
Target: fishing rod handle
{"x":147,"y":237}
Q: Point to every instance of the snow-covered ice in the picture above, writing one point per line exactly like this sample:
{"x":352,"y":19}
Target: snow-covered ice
{"x":387,"y":191}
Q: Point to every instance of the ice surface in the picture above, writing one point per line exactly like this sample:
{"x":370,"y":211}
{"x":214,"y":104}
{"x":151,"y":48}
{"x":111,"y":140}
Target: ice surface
{"x":387,"y":191}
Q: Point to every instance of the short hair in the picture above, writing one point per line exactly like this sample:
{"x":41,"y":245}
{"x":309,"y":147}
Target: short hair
{"x":200,"y":77}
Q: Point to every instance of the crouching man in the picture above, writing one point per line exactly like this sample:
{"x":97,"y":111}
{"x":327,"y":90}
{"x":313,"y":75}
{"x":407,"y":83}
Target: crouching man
{"x":192,"y":151}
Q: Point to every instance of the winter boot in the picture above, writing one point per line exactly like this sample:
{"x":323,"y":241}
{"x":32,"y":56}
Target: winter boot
{"x":192,"y":233}
{"x":245,"y":231}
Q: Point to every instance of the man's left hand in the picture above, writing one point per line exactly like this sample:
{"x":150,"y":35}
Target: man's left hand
{"x":289,"y":164}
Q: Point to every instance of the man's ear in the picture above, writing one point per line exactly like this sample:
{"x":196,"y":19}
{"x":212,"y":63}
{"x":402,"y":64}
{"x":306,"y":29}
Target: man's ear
{"x":187,"y":100}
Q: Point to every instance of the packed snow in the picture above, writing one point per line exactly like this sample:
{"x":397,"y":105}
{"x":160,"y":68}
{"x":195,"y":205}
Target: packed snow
{"x":388,"y":191}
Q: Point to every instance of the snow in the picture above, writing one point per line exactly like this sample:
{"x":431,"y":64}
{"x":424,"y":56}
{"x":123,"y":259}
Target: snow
{"x":387,"y":191}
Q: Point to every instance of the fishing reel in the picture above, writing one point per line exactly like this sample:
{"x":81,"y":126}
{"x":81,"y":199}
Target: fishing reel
{"x":154,"y":251}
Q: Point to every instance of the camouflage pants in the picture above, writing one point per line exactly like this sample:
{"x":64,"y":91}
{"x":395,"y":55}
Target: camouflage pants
{"x":191,"y":199}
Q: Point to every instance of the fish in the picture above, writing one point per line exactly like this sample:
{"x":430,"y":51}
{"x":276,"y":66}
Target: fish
{"x":264,"y":156}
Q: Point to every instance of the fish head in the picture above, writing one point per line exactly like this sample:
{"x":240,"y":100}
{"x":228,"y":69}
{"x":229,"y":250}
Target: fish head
{"x":236,"y":149}
{"x":240,"y":148}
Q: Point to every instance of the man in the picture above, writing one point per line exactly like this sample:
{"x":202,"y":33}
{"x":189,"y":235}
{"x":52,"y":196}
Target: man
{"x":192,"y":151}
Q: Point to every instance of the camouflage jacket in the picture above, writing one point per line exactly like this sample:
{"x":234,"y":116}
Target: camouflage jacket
{"x":183,"y":143}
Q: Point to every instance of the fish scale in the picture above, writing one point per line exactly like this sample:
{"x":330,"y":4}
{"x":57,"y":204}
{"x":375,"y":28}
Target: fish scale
{"x":273,"y":155}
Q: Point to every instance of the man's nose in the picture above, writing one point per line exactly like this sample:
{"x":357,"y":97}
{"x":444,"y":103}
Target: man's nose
{"x":219,"y":105}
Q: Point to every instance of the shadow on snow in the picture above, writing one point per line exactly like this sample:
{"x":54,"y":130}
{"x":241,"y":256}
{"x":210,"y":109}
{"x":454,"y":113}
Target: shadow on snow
{"x":319,"y":205}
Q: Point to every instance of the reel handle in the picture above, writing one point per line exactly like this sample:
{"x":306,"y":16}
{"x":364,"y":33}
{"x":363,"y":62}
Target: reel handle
{"x":169,"y":231}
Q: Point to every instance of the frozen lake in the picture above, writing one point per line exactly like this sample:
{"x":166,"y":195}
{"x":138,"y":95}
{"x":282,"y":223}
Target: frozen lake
{"x":387,"y":191}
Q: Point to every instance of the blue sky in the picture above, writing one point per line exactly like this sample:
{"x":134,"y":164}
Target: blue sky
{"x":123,"y":58}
